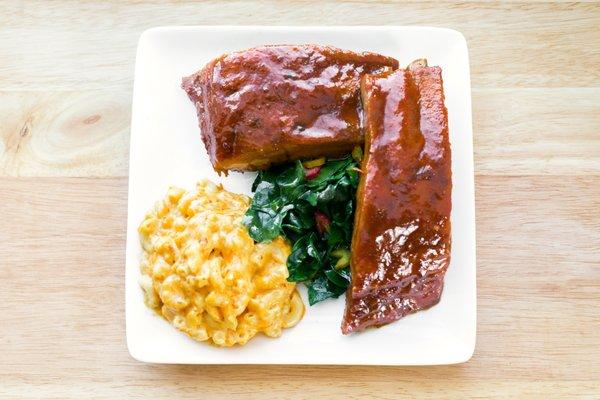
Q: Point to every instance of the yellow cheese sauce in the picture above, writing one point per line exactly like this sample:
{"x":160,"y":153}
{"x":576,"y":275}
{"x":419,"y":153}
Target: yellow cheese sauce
{"x":203,"y":273}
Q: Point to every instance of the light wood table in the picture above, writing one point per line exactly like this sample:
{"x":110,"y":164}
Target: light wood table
{"x":66,"y":71}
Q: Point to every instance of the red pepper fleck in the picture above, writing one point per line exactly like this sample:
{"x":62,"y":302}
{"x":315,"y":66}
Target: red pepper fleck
{"x":322,"y":221}
{"x":311,"y":173}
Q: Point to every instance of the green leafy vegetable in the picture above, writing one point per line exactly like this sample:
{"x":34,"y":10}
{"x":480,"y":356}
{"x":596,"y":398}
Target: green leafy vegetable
{"x":315,"y":212}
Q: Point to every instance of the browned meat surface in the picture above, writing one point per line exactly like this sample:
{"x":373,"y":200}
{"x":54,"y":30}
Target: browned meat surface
{"x":401,"y":242}
{"x":272,"y":104}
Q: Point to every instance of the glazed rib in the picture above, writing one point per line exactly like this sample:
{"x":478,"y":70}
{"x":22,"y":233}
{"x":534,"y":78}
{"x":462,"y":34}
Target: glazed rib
{"x":401,"y":241}
{"x":272,"y":104}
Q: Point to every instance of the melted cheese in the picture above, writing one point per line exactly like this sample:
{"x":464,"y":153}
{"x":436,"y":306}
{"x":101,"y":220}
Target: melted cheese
{"x":203,"y":273}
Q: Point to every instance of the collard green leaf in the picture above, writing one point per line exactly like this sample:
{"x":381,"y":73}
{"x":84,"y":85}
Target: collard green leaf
{"x":318,"y":290}
{"x":265,"y":176}
{"x":330,"y":170}
{"x":261,"y":224}
{"x":291,"y":180}
{"x":264,"y":224}
{"x":321,"y":288}
{"x":336,"y":235}
{"x":285,"y":203}
{"x":305,"y":259}
{"x":297,"y":221}
{"x":265,"y":193}
{"x":337,"y":279}
{"x":353,"y":176}
{"x":310,"y":196}
{"x":345,"y":273}
{"x":327,"y":194}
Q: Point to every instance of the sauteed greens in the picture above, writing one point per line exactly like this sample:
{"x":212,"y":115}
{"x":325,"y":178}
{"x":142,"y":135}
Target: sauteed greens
{"x":312,"y":205}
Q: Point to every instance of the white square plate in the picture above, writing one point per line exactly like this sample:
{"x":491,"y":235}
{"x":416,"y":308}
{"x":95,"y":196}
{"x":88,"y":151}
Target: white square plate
{"x":166,"y":150}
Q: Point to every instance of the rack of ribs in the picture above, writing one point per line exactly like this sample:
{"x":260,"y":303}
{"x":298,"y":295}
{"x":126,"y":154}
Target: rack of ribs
{"x":401,"y":239}
{"x":272,"y":104}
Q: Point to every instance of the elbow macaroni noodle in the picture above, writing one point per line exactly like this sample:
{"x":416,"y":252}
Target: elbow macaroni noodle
{"x":203,"y":273}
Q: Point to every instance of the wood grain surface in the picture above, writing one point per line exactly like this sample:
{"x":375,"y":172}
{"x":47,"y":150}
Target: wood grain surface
{"x":66,"y":73}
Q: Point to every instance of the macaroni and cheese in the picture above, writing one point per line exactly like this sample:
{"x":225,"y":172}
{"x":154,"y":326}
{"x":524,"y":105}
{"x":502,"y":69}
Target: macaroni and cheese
{"x":205,"y":275}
